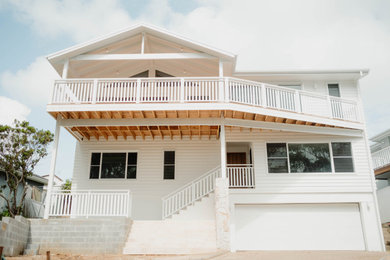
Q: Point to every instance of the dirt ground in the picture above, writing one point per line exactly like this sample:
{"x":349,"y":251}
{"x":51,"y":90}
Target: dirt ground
{"x":261,"y":255}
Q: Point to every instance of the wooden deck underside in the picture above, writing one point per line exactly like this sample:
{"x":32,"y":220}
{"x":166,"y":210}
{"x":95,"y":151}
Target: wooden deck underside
{"x":171,"y":131}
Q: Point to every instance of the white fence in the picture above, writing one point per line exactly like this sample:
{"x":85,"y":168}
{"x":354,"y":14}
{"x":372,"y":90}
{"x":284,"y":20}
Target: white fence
{"x":381,"y":158}
{"x":180,"y":90}
{"x":90,"y":203}
{"x":241,"y":175}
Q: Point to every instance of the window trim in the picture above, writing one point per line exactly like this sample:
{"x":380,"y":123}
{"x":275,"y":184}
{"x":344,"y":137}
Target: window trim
{"x":333,"y":83}
{"x":163,"y":164}
{"x":100,"y":166}
{"x":333,"y":172}
{"x":352,"y":157}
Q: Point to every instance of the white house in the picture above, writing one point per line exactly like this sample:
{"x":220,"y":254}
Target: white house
{"x":202,"y":156}
{"x":380,"y":151}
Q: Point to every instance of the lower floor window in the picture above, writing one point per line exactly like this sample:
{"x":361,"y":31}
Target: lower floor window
{"x":309,"y":157}
{"x":113,"y":166}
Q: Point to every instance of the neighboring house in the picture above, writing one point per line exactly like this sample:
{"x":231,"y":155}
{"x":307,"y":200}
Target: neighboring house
{"x":380,"y":152}
{"x":57,"y":184}
{"x":36,"y":185}
{"x":170,"y":134}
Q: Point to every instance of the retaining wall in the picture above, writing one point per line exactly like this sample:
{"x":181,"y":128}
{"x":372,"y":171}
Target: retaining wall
{"x":14,"y":235}
{"x":80,"y":236}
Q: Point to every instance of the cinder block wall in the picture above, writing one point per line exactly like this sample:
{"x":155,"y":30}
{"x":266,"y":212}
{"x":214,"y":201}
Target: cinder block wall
{"x":14,"y":235}
{"x":80,"y":236}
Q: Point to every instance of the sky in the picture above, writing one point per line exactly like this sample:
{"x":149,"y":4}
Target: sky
{"x":266,"y":35}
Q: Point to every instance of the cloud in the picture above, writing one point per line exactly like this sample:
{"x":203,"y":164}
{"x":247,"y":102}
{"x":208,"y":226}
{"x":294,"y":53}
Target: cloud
{"x":33,"y":84}
{"x":11,"y":109}
{"x":266,"y":35}
{"x":79,"y":20}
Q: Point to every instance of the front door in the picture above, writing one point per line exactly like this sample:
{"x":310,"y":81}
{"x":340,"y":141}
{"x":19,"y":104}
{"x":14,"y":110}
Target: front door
{"x":236,"y":158}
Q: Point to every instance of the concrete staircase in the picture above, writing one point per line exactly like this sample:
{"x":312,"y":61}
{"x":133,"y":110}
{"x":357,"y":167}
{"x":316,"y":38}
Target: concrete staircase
{"x":192,"y":231}
{"x":386,"y":235}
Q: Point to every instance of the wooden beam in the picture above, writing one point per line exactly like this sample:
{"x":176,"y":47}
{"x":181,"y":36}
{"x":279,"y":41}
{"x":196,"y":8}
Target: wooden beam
{"x":131,"y":132}
{"x":141,"y":133}
{"x":150,"y":132}
{"x":144,"y":56}
{"x":161,"y":134}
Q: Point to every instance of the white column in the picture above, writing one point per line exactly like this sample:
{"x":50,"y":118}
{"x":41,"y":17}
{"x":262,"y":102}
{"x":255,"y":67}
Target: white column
{"x":65,"y":69}
{"x":221,"y":82}
{"x":223,"y":152}
{"x":52,"y":167}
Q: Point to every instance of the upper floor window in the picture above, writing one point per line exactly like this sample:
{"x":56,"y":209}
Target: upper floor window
{"x":169,"y":165}
{"x":309,"y":157}
{"x":113,"y":166}
{"x":334,"y":90}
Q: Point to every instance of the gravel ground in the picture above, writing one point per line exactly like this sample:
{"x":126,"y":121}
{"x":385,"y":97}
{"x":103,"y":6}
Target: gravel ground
{"x":252,"y":255}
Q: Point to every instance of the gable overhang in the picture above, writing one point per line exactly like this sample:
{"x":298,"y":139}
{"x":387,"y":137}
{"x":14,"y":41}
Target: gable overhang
{"x":58,"y":59}
{"x":297,"y":75}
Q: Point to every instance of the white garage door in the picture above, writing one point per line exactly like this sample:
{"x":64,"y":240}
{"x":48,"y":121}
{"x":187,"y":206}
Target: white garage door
{"x":298,"y":227}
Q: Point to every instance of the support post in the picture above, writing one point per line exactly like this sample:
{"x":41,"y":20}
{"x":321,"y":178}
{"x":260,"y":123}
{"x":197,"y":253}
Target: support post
{"x":94,"y":91}
{"x":223,"y":152}
{"x":221,"y":82}
{"x":65,"y":69}
{"x":263,"y":96}
{"x":182,"y":90}
{"x":52,"y":167}
{"x":138,"y":91}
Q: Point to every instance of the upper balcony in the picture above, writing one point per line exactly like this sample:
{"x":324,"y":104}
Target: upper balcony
{"x":202,"y":93}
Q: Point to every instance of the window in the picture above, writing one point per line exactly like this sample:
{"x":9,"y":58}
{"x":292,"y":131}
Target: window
{"x":277,"y":158}
{"x":131,"y":165}
{"x":113,"y":166}
{"x":334,"y":90}
{"x":309,"y":157}
{"x":169,"y":165}
{"x":342,"y":157}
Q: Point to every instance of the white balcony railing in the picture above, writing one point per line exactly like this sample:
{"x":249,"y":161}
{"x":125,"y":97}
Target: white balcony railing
{"x":240,"y":175}
{"x":184,"y":90}
{"x":381,"y":158}
{"x":90,"y":203}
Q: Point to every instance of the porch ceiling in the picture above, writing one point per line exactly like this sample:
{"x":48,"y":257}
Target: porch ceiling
{"x":171,"y":130}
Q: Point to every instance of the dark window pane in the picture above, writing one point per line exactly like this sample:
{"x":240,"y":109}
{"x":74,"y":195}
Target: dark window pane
{"x":343,"y":164}
{"x":132,"y":159}
{"x":169,"y":172}
{"x":341,"y":149}
{"x":169,"y":157}
{"x":94,"y":172}
{"x":131,"y":172}
{"x":95,"y":159}
{"x":334,"y":90}
{"x":309,"y":158}
{"x":277,"y":166}
{"x":113,"y":165}
{"x":276,"y":150}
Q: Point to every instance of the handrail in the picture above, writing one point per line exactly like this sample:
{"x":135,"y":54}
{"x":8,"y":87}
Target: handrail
{"x":191,"y":182}
{"x":189,"y":193}
{"x":202,"y":89}
{"x":381,"y":158}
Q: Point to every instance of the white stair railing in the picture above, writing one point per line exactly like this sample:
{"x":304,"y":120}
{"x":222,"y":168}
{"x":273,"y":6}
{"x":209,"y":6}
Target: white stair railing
{"x":189,"y":193}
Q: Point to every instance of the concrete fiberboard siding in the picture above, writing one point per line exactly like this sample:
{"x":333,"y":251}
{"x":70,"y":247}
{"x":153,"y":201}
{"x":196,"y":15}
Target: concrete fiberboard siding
{"x":14,"y":235}
{"x":193,"y":158}
{"x":80,"y":236}
{"x":357,"y":181}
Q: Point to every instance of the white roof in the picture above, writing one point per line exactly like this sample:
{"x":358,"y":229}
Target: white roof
{"x":78,"y":49}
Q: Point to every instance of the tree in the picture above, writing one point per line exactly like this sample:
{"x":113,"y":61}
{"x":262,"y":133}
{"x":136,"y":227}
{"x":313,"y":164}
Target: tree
{"x":67,"y":186}
{"x":22,"y":147}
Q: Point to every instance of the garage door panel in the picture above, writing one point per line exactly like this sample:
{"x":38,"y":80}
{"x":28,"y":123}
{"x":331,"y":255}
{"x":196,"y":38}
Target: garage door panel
{"x":298,"y":227}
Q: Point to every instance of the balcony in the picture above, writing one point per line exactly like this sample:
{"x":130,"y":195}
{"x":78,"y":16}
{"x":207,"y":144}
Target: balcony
{"x":111,"y":92}
{"x":381,"y":158}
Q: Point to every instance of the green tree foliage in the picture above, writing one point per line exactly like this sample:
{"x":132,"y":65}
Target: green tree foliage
{"x":21,"y":147}
{"x":67,"y":185}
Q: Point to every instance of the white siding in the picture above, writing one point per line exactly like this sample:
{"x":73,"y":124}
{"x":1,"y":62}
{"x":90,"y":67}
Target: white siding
{"x":348,"y":89}
{"x":359,"y":181}
{"x":193,"y":158}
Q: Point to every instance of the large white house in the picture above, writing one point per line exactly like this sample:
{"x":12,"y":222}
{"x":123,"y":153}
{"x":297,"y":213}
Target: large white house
{"x":202,"y":156}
